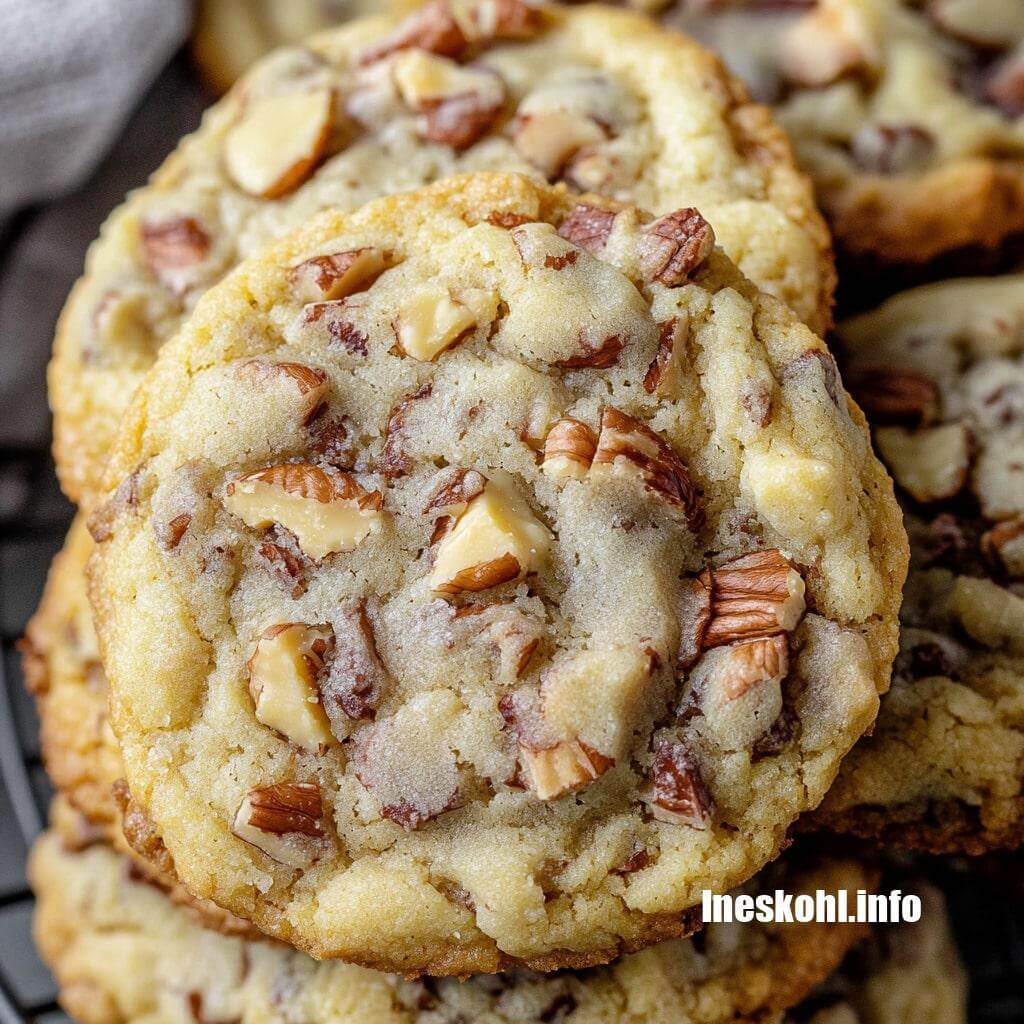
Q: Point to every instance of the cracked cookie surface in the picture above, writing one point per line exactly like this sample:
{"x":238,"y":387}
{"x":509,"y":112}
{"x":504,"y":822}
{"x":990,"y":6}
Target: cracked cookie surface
{"x":600,"y":98}
{"x":939,"y":370}
{"x":122,"y":953}
{"x":909,"y":116}
{"x":465,"y":618}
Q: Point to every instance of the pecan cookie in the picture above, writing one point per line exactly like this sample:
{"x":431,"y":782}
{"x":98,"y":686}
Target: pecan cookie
{"x":461,"y":550}
{"x":600,"y":98}
{"x":909,"y":973}
{"x":939,"y":370}
{"x":60,"y":655}
{"x":907,"y":114}
{"x":122,"y":952}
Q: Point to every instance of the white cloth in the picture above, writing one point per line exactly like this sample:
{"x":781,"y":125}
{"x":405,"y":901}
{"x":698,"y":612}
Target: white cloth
{"x":71,"y":71}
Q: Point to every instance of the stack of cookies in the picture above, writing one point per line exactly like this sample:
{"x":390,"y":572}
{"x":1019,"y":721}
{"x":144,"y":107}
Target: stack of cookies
{"x":480,"y":554}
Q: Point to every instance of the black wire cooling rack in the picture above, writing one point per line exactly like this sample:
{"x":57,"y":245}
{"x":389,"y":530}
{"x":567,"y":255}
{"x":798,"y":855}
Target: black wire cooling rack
{"x":40,"y":255}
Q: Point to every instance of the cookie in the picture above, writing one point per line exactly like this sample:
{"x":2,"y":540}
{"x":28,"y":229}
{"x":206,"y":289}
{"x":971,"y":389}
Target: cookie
{"x":939,"y":370}
{"x":908,"y":116}
{"x":60,"y":655}
{"x":601,"y":98}
{"x":230,"y":35}
{"x":442,"y":575}
{"x":121,"y":952}
{"x":907,"y":973}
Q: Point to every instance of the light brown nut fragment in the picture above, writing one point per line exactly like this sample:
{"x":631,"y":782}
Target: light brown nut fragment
{"x":678,"y":794}
{"x":568,"y":450}
{"x":755,"y":595}
{"x":892,"y":148}
{"x":336,"y":275}
{"x":594,"y":354}
{"x":431,"y":321}
{"x":1005,"y":84}
{"x":563,"y":768}
{"x":285,"y":821}
{"x":283,"y":673}
{"x":327,"y":512}
{"x":549,"y":138}
{"x":353,"y":679}
{"x":674,"y":246}
{"x":989,"y":613}
{"x":278,"y":142}
{"x":495,"y":540}
{"x":394,"y":461}
{"x":460,"y":104}
{"x":1003,"y":545}
{"x":930,"y":464}
{"x":587,"y":226}
{"x":740,"y":691}
{"x":512,"y":634}
{"x":659,"y":379}
{"x":902,"y":397}
{"x":172,"y":245}
{"x":169,"y":533}
{"x":455,"y":491}
{"x":432,"y":28}
{"x":626,"y":446}
{"x":504,"y":19}
{"x":310,"y":381}
{"x":819,"y":48}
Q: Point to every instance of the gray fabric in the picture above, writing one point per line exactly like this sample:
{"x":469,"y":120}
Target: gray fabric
{"x":71,"y":72}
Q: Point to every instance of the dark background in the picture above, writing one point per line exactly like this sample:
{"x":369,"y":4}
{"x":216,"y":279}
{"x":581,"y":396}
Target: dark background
{"x":41,"y":253}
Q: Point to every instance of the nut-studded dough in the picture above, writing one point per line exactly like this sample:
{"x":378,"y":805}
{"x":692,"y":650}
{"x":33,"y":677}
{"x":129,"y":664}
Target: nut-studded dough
{"x":524,"y":676}
{"x":907,"y":114}
{"x":944,"y":767}
{"x":628,"y":109}
{"x":122,"y":953}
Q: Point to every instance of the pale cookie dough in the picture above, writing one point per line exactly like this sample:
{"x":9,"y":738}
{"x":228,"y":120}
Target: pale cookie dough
{"x":230,"y":35}
{"x":908,"y":973}
{"x":603,"y":99}
{"x":442,"y":574}
{"x":122,"y":953}
{"x":939,"y":370}
{"x":60,"y":656}
{"x":907,"y":114}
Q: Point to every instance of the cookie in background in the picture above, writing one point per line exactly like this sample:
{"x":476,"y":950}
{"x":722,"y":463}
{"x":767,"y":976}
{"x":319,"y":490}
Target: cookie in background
{"x":939,"y":371}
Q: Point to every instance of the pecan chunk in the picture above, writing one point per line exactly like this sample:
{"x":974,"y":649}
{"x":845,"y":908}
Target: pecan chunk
{"x":678,"y":794}
{"x":755,"y":595}
{"x":285,"y":821}
{"x":674,"y":246}
{"x":628,"y":446}
{"x":902,"y":397}
{"x":587,"y":226}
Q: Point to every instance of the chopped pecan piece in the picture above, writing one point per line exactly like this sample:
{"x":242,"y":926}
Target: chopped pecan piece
{"x":657,"y":375}
{"x":125,"y":498}
{"x":678,"y":794}
{"x":505,"y":19}
{"x":283,"y":682}
{"x":674,"y":246}
{"x":902,"y":397}
{"x":394,"y":461}
{"x":170,"y":533}
{"x":626,"y":445}
{"x":566,"y":767}
{"x":932,"y":463}
{"x":456,"y":491}
{"x":432,"y":28}
{"x":340,"y":328}
{"x":285,"y":821}
{"x":338,"y":274}
{"x":755,"y":595}
{"x":568,"y":450}
{"x":594,"y":356}
{"x":288,"y":567}
{"x":354,"y":679}
{"x":587,"y":226}
{"x":173,"y":245}
{"x":1003,"y":546}
{"x":310,"y":381}
{"x":892,"y":148}
{"x":1004,"y":85}
{"x":327,"y":511}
